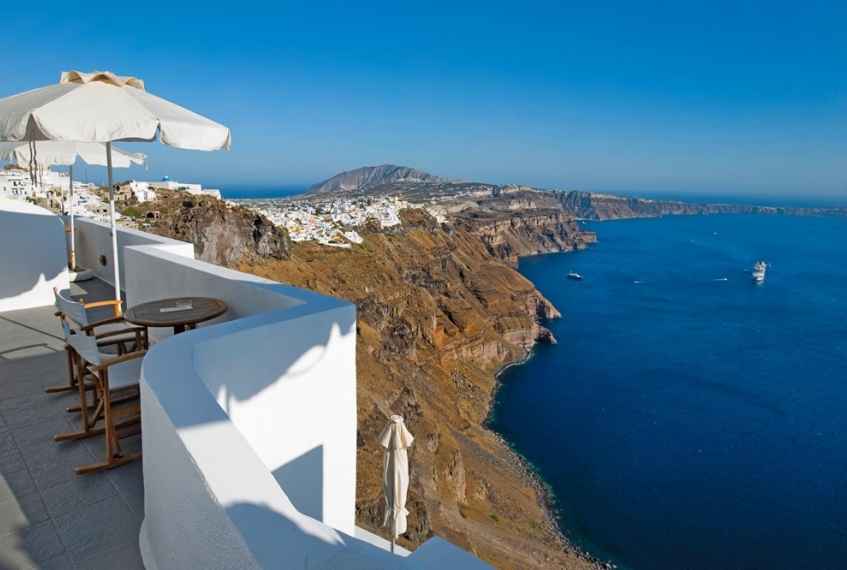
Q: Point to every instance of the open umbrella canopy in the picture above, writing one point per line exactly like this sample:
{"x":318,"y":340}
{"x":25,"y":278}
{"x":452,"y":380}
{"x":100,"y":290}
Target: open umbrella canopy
{"x":395,"y":482}
{"x":66,"y":153}
{"x":104,"y":107}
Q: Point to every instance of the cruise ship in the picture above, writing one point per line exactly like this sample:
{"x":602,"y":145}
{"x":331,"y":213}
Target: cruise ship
{"x":759,"y":271}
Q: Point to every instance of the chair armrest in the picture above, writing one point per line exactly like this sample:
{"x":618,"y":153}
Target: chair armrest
{"x":102,"y":303}
{"x":101,"y":322}
{"x":127,"y":330}
{"x":112,"y":302}
{"x":126,"y":357}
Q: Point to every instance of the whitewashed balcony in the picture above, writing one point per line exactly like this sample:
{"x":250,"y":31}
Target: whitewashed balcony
{"x":249,"y":425}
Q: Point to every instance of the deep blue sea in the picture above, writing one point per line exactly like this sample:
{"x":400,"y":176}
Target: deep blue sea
{"x":688,"y":418}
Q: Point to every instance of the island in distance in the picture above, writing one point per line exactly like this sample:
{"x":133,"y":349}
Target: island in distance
{"x":463,"y":197}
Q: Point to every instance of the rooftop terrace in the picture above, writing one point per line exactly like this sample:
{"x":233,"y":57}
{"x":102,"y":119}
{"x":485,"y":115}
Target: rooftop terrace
{"x":50,"y":517}
{"x":249,"y":421}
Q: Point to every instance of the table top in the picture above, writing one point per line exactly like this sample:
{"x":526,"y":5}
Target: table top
{"x":150,"y":314}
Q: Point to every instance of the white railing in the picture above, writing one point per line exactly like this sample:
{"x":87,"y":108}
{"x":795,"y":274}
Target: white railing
{"x":94,"y":247}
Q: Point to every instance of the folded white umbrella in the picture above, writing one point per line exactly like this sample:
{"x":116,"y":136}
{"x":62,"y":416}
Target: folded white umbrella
{"x":65,"y":153}
{"x":395,"y":480}
{"x":104,"y":107}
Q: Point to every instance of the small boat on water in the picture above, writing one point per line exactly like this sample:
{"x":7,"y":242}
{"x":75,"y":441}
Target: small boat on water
{"x":575,"y":276}
{"x":759,"y":271}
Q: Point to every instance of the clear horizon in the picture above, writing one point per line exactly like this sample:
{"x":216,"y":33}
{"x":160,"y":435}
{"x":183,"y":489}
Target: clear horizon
{"x":745,"y":100}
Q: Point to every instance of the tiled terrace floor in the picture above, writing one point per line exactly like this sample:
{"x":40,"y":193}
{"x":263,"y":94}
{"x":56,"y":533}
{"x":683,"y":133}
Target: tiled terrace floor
{"x":49,"y":516}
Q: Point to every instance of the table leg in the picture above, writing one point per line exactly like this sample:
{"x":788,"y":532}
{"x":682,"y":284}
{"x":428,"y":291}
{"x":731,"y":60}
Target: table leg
{"x":179,"y":329}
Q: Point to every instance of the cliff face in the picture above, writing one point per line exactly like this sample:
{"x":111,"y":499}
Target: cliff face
{"x":221,"y":235}
{"x":606,"y":207}
{"x":510,"y":235}
{"x":437,"y":317}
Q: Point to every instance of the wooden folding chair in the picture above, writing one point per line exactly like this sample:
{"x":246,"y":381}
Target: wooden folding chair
{"x":109,"y":378}
{"x":113,"y":331}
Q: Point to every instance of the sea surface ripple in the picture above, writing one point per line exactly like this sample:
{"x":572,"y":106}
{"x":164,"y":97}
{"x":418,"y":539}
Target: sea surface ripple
{"x":689,"y":418}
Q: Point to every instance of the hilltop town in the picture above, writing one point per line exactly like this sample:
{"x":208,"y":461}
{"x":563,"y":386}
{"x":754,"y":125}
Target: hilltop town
{"x":332,"y":221}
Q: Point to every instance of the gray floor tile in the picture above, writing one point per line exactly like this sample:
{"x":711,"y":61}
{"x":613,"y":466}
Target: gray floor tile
{"x":81,"y":491}
{"x":11,"y":460}
{"x":7,"y":441}
{"x":39,"y":543}
{"x":21,"y":483}
{"x":118,"y":552}
{"x":60,"y":563}
{"x":127,"y":478}
{"x":33,"y":508}
{"x":135,"y":500}
{"x":41,"y":410}
{"x":83,"y":527}
{"x":51,"y":474}
{"x":12,"y":519}
{"x":72,"y":453}
{"x":13,"y":556}
{"x":32,"y":402}
{"x":43,"y":432}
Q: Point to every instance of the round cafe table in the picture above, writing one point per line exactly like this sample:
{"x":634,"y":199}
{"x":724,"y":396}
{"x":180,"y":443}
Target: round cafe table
{"x":166,"y":312}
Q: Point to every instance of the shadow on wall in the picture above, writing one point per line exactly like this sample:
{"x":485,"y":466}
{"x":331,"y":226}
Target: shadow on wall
{"x":267,"y":527}
{"x":290,"y":343}
{"x":302,"y":480}
{"x":30,"y":252}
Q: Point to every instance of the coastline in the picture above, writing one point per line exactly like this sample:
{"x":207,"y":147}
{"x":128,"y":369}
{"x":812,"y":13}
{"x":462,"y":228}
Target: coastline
{"x":544,"y":492}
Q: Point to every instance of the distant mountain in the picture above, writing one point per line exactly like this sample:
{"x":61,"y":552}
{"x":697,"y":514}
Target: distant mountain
{"x":371,"y":177}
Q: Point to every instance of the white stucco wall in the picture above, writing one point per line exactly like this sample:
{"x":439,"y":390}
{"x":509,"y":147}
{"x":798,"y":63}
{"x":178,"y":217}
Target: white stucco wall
{"x":250,"y":427}
{"x":160,"y":273}
{"x":32,"y":255}
{"x":94,"y":238}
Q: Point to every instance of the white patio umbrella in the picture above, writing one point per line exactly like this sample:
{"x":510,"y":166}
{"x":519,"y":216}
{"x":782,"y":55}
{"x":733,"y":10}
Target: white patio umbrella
{"x":66,"y":153}
{"x":395,"y":475}
{"x":104,"y":107}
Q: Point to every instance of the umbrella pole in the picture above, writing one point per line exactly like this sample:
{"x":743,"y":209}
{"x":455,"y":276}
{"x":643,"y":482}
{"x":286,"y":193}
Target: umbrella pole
{"x":71,"y":215}
{"x":393,"y":540}
{"x":112,"y":220}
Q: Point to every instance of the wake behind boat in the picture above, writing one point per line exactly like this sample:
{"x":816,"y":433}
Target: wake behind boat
{"x":575,"y":276}
{"x":759,"y":271}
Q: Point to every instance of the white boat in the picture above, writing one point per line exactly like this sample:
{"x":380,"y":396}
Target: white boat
{"x":575,"y":276}
{"x":759,"y":271}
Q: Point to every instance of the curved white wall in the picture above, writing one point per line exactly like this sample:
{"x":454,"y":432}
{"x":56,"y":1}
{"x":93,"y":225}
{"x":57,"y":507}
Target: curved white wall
{"x":249,"y":430}
{"x":32,"y":255}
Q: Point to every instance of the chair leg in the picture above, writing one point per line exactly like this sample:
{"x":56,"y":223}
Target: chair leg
{"x":71,"y":377}
{"x":114,"y":453}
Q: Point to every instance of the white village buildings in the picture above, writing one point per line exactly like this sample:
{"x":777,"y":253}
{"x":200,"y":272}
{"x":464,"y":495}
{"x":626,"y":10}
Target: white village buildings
{"x":331,"y":223}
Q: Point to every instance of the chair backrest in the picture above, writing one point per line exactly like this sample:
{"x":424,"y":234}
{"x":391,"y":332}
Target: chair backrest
{"x":71,"y":309}
{"x":84,"y":345}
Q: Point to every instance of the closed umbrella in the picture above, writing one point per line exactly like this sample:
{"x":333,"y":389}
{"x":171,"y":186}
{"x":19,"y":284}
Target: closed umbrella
{"x":104,"y":107}
{"x":395,"y":480}
{"x":66,"y":153}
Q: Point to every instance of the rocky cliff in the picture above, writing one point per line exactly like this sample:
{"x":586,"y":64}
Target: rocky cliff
{"x":370,"y":177}
{"x":221,"y":234}
{"x":508,"y":236}
{"x":438,"y":316}
{"x":607,"y":207}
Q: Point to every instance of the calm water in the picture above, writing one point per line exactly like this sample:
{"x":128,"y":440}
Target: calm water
{"x":689,"y":418}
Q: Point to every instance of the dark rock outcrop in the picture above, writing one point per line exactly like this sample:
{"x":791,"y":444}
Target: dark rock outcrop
{"x":221,"y":234}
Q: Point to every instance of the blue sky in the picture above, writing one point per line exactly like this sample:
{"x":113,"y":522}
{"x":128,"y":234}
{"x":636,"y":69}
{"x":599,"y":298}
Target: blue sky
{"x":666,"y":97}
